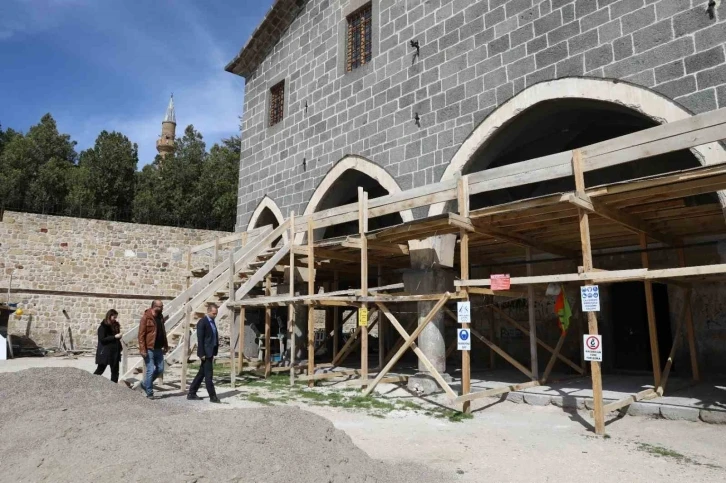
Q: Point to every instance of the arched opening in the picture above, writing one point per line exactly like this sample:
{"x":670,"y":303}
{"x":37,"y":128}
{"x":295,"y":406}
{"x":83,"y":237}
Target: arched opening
{"x":267,"y":213}
{"x":340,"y":187}
{"x":554,"y":126}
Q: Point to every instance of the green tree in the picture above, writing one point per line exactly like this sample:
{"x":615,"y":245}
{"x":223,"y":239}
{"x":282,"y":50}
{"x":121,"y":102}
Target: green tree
{"x":218,"y":183}
{"x":107,"y":175}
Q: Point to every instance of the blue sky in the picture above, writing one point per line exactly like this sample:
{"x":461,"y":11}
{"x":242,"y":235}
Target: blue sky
{"x":111,"y":64}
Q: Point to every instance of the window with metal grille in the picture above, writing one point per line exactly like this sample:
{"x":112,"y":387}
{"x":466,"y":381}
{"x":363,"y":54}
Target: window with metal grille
{"x":359,"y":42}
{"x":277,"y":103}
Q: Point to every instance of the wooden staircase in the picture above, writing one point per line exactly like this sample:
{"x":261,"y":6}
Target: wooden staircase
{"x":252,"y":263}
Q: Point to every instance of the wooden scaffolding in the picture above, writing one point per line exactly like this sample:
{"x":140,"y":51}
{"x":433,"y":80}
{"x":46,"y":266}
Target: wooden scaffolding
{"x":569,"y":225}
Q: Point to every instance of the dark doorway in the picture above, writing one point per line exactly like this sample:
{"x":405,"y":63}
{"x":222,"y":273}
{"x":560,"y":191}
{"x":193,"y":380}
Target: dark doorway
{"x":631,"y":341}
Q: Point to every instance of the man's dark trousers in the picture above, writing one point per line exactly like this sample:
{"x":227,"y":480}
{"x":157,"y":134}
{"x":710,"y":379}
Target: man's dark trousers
{"x":206,"y":371}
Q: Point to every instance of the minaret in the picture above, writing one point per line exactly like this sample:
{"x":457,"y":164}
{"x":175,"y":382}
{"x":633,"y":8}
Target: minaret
{"x":165,"y":144}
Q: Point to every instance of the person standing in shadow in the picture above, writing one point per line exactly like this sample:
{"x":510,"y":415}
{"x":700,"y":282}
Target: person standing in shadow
{"x":207,"y":348}
{"x":108,"y":352}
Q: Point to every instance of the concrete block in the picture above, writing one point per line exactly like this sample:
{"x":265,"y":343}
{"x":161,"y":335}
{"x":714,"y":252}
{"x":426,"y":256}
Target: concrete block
{"x":537,"y":399}
{"x":705,"y":60}
{"x":548,"y":23}
{"x":623,"y":7}
{"x":515,"y":397}
{"x":638,"y":19}
{"x":679,"y":413}
{"x":644,"y":409}
{"x":574,"y":66}
{"x":700,"y":101}
{"x":522,"y":35}
{"x":623,"y":47}
{"x":563,"y":33}
{"x":568,"y":402}
{"x":668,"y":72}
{"x":713,"y":417}
{"x":552,"y":55}
{"x":596,"y":19}
{"x":598,"y":57}
{"x":690,"y":21}
{"x":583,"y":42}
{"x":678,"y":87}
{"x":711,"y":77}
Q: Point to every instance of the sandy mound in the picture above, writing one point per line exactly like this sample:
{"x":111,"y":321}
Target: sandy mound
{"x":66,"y":425}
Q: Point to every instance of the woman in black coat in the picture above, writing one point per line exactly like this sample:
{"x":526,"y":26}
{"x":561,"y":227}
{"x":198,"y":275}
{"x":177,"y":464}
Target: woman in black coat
{"x":108,"y":352}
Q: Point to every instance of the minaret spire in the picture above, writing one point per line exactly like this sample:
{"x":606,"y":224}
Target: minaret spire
{"x":165,"y":144}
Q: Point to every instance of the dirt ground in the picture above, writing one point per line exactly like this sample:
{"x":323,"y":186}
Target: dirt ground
{"x":503,"y":441}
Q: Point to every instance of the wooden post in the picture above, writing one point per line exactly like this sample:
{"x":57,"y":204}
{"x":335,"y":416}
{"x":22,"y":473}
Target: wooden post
{"x":124,"y":357}
{"x":532,"y":322}
{"x":268,"y":328}
{"x":336,"y":317}
{"x":186,"y":341}
{"x":311,"y":309}
{"x":650,"y":306}
{"x":690,"y":332}
{"x":381,"y":327}
{"x":235,"y":320}
{"x":492,"y":337}
{"x":363,"y":229}
{"x":583,"y":217}
{"x":291,"y":307}
{"x":463,"y":195}
{"x":241,"y":336}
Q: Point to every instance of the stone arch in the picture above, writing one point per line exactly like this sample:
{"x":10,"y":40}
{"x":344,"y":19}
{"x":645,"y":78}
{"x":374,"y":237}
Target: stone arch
{"x":343,"y":168}
{"x":267,"y":213}
{"x":621,"y":95}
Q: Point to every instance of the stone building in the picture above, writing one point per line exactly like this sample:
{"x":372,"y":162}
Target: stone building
{"x":393,"y":95}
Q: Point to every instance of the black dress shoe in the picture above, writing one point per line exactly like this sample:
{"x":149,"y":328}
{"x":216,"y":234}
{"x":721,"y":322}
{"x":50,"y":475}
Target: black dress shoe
{"x":193,"y":397}
{"x":215,"y":399}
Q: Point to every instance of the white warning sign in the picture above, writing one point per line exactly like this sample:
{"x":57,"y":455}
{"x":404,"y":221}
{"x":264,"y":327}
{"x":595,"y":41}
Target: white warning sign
{"x":463,"y":339}
{"x":590,"y":297}
{"x":593,"y":347}
{"x":463,"y":311}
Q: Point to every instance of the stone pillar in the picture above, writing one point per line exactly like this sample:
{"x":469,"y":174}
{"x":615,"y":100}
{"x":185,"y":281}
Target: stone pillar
{"x":431,"y":273}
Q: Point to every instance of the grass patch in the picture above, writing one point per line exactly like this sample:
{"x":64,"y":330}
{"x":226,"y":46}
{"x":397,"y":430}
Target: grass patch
{"x":256,"y":398}
{"x":660,"y":451}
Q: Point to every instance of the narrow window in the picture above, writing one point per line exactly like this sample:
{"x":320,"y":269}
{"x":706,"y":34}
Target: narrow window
{"x":359,"y":38}
{"x":277,"y":103}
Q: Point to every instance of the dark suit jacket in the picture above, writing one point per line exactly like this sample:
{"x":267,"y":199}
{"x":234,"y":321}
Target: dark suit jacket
{"x":207,"y":342}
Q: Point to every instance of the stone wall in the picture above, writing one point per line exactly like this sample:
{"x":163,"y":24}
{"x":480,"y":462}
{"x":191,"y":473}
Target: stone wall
{"x":87,"y":267}
{"x":475,"y":55}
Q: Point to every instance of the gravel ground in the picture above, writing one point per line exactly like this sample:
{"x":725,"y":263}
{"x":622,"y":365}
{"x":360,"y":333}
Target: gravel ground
{"x":66,"y":425}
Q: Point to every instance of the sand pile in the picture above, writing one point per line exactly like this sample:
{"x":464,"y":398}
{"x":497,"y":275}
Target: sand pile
{"x":66,"y":425}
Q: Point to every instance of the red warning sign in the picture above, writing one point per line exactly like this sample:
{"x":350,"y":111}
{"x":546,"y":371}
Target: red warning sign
{"x":501,"y":282}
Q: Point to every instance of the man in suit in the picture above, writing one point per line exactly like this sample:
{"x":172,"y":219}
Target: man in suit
{"x":207,"y":348}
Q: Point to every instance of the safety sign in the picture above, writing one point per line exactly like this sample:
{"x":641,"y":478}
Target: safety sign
{"x":501,"y":281}
{"x":463,"y":311}
{"x":363,"y":317}
{"x":463,"y":339}
{"x":590,"y":297}
{"x":593,"y":347}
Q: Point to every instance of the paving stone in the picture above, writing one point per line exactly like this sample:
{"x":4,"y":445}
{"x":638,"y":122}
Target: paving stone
{"x":537,"y":399}
{"x":644,"y":409}
{"x":713,"y":417}
{"x":679,"y":413}
{"x":515,"y":397}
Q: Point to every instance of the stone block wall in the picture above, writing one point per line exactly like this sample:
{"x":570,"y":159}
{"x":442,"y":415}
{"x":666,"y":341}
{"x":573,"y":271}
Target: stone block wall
{"x":475,"y":55}
{"x":87,"y":267}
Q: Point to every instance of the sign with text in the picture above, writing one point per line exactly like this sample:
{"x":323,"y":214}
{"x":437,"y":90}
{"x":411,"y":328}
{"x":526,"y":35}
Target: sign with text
{"x":463,"y":339}
{"x":363,"y":317}
{"x":590,"y":298}
{"x":501,"y":281}
{"x":593,"y":347}
{"x":463,"y":312}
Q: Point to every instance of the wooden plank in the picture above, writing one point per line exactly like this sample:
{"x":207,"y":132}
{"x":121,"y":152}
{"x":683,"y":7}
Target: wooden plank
{"x":233,"y":324}
{"x":462,"y":222}
{"x":385,"y":380}
{"x":362,"y":230}
{"x":503,"y":354}
{"x":631,"y":222}
{"x":268,"y":330}
{"x":311,"y":309}
{"x":291,"y":292}
{"x":241,"y":335}
{"x":543,"y":344}
{"x":650,"y":307}
{"x":336,"y":317}
{"x":690,"y":332}
{"x":466,"y":227}
{"x":347,"y":347}
{"x":676,"y":339}
{"x":496,"y":293}
{"x":381,"y":327}
{"x":553,"y":358}
{"x":583,"y":216}
{"x":627,"y":401}
{"x":521,"y":240}
{"x":392,"y":248}
{"x":409,"y":342}
{"x":331,"y":375}
{"x":496,"y":391}
{"x":185,"y":342}
{"x":532,"y":322}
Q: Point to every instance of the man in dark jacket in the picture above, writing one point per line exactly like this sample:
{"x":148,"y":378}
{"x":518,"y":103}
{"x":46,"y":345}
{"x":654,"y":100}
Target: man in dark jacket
{"x":152,"y":344}
{"x":207,"y":348}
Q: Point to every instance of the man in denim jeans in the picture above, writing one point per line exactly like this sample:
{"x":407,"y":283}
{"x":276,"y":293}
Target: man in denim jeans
{"x":152,"y":344}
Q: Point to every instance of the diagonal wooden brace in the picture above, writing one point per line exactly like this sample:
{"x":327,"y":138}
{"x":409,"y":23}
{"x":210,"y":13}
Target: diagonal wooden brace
{"x":554,"y":357}
{"x":503,"y":354}
{"x":351,"y":344}
{"x":544,"y":345}
{"x":410,"y":343}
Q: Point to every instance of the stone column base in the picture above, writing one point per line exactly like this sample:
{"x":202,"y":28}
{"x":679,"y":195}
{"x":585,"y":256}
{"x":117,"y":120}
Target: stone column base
{"x":424,"y":384}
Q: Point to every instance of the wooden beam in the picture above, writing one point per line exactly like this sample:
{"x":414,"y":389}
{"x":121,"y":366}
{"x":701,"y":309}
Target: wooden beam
{"x":583,"y":216}
{"x":385,"y":380}
{"x":554,"y":357}
{"x":676,"y":339}
{"x":650,"y":308}
{"x":461,"y":221}
{"x":485,"y":229}
{"x":336,"y":316}
{"x":362,"y":230}
{"x":627,"y":401}
{"x":291,"y":292}
{"x":381,"y":326}
{"x":495,"y":392}
{"x":534,"y":363}
{"x":496,"y":293}
{"x":331,"y":375}
{"x":409,"y":342}
{"x":352,"y":343}
{"x":233,"y":324}
{"x":268,"y":329}
{"x":185,"y":341}
{"x":633,"y":223}
{"x":465,"y":224}
{"x":690,"y":332}
{"x":311,"y":309}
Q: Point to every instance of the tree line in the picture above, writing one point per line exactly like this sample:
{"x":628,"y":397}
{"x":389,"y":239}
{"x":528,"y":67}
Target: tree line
{"x":41,"y":172}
